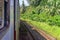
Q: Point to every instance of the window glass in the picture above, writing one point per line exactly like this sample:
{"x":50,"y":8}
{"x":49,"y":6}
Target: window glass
{"x":0,"y":13}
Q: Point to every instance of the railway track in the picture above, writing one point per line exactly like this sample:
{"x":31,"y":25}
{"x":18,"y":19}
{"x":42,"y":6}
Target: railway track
{"x":31,"y":33}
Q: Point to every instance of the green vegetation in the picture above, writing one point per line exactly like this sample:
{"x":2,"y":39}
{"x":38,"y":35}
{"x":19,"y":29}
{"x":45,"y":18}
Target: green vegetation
{"x":54,"y":31}
{"x":44,"y":15}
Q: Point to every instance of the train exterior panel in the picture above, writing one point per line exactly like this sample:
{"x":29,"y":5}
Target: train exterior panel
{"x":17,"y":18}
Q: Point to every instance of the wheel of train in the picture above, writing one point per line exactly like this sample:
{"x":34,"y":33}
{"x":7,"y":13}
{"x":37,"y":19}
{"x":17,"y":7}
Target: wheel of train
{"x":4,"y":15}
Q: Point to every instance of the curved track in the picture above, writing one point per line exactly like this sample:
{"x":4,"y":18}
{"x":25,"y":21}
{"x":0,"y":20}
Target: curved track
{"x":28,"y":32}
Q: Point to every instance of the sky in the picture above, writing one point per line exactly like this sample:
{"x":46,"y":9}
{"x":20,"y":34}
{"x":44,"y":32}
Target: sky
{"x":25,"y":2}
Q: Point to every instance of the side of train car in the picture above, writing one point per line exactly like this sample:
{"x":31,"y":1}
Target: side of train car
{"x":4,"y":13}
{"x":9,"y":19}
{"x":4,"y":17}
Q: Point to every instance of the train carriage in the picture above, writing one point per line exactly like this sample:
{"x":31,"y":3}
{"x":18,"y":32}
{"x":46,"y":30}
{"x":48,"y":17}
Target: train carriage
{"x":9,"y":14}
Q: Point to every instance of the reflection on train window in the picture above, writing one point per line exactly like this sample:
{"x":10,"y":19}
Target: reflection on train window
{"x":3,"y":13}
{"x":0,"y":16}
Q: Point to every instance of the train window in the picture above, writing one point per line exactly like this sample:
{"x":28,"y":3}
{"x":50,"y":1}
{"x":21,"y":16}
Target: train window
{"x":1,"y":14}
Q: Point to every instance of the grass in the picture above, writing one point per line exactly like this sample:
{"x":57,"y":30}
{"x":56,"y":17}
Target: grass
{"x":51,"y":30}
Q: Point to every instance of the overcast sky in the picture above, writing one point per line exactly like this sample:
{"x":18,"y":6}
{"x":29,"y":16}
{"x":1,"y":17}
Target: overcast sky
{"x":25,"y":2}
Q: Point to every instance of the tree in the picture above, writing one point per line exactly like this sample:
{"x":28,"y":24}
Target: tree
{"x":54,"y":9}
{"x":23,"y":7}
{"x":34,"y":3}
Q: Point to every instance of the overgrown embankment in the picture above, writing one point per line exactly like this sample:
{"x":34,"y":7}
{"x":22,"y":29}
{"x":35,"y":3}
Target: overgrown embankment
{"x":44,"y":15}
